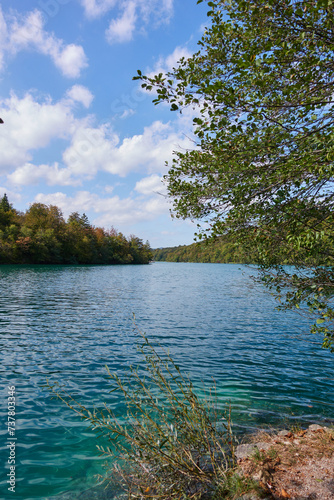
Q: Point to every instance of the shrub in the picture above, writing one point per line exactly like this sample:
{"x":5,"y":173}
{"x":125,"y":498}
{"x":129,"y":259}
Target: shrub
{"x":171,"y":444}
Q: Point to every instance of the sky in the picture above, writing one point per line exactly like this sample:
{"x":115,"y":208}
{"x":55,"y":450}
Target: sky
{"x":78,"y":132}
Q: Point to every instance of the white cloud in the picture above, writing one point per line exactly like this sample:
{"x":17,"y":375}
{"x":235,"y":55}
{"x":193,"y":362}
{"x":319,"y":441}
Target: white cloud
{"x":3,"y":37}
{"x":159,"y":11}
{"x":79,"y":93}
{"x":121,"y":29}
{"x":130,"y":16}
{"x":112,"y":211}
{"x":27,"y":33}
{"x":91,"y":150}
{"x":13,"y":196}
{"x":53,"y":175}
{"x":150,"y":185}
{"x":165,"y":64}
{"x":96,"y":8}
{"x":147,"y":151}
{"x":126,"y":113}
{"x":71,"y":60}
{"x":30,"y":125}
{"x":172,"y":60}
{"x":96,"y":149}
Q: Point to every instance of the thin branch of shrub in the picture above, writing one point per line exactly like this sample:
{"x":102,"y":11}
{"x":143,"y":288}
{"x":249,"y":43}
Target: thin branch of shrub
{"x":171,"y":444}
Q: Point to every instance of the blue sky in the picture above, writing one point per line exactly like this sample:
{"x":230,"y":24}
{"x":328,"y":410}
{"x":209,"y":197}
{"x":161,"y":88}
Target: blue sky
{"x":78,"y":132}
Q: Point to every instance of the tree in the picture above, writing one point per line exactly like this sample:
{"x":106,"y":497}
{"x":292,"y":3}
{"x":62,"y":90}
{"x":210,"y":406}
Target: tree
{"x":7,"y":213}
{"x":262,"y":169}
{"x":81,"y":239}
{"x":44,"y":226}
{"x":4,"y":204}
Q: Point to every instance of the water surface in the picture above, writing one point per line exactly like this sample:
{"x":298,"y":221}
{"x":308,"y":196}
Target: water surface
{"x":67,"y":323}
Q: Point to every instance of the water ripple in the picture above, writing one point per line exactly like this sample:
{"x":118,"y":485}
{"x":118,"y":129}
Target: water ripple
{"x":66,"y":323}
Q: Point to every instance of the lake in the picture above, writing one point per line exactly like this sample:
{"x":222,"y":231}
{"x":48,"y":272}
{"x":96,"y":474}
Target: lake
{"x":67,"y":323}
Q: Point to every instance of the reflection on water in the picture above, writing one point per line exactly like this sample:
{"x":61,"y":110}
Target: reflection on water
{"x":67,"y":323}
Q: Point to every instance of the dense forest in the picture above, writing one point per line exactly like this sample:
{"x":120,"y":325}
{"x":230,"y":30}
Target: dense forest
{"x":42,"y":236}
{"x":221,"y":250}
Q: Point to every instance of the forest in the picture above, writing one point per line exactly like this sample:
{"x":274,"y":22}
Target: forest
{"x":221,"y":250}
{"x":42,"y":236}
{"x":224,"y":250}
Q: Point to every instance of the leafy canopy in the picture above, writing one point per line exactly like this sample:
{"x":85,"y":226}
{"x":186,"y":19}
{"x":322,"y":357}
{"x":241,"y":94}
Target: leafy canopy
{"x":262,"y":85}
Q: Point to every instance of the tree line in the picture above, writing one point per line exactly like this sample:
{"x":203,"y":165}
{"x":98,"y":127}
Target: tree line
{"x":221,"y":250}
{"x":42,"y":236}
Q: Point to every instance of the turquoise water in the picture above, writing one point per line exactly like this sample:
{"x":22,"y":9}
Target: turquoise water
{"x":67,"y":323}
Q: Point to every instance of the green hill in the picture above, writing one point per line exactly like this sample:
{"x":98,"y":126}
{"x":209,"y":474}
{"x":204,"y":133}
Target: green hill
{"x":221,"y":250}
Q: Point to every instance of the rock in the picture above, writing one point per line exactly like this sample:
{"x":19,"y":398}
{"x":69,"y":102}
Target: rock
{"x":315,"y":427}
{"x":285,"y":433}
{"x":252,"y":496}
{"x":258,"y":476}
{"x":248,"y":496}
{"x":246,"y":450}
{"x":263,"y":445}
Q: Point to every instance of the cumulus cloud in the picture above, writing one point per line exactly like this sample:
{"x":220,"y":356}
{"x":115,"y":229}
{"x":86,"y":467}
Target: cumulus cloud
{"x":13,"y":196}
{"x":91,"y":150}
{"x":70,"y":60}
{"x":122,"y":29}
{"x":30,"y":125}
{"x":148,"y":150}
{"x":53,"y":175}
{"x":28,"y":33}
{"x":150,"y":185}
{"x":79,"y":93}
{"x":167,"y":63}
{"x":100,"y":149}
{"x":111,"y":211}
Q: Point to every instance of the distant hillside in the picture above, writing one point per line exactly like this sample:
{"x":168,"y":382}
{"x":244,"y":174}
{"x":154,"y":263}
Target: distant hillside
{"x":219,"y":251}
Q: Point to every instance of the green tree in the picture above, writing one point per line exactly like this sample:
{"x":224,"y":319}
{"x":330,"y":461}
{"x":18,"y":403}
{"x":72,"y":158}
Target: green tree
{"x":140,"y":251}
{"x":4,"y":204}
{"x":42,"y":234}
{"x":81,"y":239}
{"x":7,"y":213}
{"x":262,"y":84}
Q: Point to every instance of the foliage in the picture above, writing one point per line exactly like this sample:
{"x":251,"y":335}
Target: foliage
{"x":41,"y":236}
{"x":171,"y":444}
{"x":221,"y":250}
{"x":262,"y":170}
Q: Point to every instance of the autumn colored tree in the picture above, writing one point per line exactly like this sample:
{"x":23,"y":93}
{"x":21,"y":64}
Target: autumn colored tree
{"x":41,"y":236}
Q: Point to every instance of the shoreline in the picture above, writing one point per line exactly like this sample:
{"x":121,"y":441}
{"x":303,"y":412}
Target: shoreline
{"x":295,"y":465}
